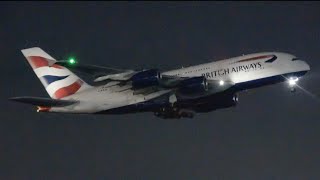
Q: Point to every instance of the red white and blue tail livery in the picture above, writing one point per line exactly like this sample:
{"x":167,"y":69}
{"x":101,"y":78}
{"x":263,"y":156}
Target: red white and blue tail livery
{"x":58,"y":80}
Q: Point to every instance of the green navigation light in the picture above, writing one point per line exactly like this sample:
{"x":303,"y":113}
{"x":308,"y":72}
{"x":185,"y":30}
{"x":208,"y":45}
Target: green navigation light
{"x":72,"y":61}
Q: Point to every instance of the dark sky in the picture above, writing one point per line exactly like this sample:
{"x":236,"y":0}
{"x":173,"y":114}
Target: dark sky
{"x":271,"y":134}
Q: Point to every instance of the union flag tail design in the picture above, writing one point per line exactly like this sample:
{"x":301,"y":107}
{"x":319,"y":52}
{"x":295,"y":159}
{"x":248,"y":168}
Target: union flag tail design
{"x":58,"y":81}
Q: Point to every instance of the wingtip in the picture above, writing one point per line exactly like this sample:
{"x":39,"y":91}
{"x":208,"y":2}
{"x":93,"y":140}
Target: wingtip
{"x":14,"y":99}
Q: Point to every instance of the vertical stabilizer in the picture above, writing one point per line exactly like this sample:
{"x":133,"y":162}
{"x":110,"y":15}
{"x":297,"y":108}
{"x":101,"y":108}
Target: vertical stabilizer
{"x":58,"y":81}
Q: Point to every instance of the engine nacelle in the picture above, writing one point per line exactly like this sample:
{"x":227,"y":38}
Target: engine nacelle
{"x":193,"y":85}
{"x":220,"y":101}
{"x":145,"y":78}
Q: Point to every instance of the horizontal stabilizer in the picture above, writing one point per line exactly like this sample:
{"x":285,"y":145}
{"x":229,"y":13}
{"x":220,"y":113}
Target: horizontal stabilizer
{"x":43,"y":101}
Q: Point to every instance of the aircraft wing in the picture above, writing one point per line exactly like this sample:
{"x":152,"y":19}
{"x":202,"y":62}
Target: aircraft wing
{"x":38,"y":101}
{"x":100,"y":73}
{"x":93,"y":70}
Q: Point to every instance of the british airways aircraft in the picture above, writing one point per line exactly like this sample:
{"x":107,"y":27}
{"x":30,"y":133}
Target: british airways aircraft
{"x":89,"y":89}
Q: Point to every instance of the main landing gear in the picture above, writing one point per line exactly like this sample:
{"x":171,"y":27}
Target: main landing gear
{"x":293,"y":90}
{"x":174,"y":113}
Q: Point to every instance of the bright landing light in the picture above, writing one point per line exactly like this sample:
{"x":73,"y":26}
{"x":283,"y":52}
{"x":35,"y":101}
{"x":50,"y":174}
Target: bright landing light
{"x":221,"y":83}
{"x":293,"y":81}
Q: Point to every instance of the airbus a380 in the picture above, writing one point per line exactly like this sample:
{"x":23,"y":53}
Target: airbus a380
{"x":171,"y":94}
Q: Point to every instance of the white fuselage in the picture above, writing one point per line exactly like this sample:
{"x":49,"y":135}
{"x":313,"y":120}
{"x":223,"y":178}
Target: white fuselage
{"x":237,"y":70}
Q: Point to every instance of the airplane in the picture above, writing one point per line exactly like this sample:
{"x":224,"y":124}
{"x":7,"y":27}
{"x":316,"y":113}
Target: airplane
{"x":181,"y":93}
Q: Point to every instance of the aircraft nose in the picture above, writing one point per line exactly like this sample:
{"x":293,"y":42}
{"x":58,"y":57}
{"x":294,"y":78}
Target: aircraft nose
{"x":306,"y":66}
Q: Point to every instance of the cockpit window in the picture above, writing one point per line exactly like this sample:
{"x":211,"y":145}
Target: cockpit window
{"x":294,"y":59}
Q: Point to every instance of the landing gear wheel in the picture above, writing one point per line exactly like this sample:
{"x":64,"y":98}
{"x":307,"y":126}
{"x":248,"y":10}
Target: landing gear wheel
{"x":190,"y":115}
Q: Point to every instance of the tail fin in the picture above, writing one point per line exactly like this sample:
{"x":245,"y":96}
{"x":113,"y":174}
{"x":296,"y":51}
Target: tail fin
{"x":58,"y":80}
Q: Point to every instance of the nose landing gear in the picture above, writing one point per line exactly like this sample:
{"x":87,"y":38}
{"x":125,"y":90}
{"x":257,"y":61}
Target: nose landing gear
{"x":292,"y":84}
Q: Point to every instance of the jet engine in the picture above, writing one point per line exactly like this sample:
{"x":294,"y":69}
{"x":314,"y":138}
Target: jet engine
{"x":218,"y":101}
{"x":193,"y":85}
{"x":145,"y":78}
